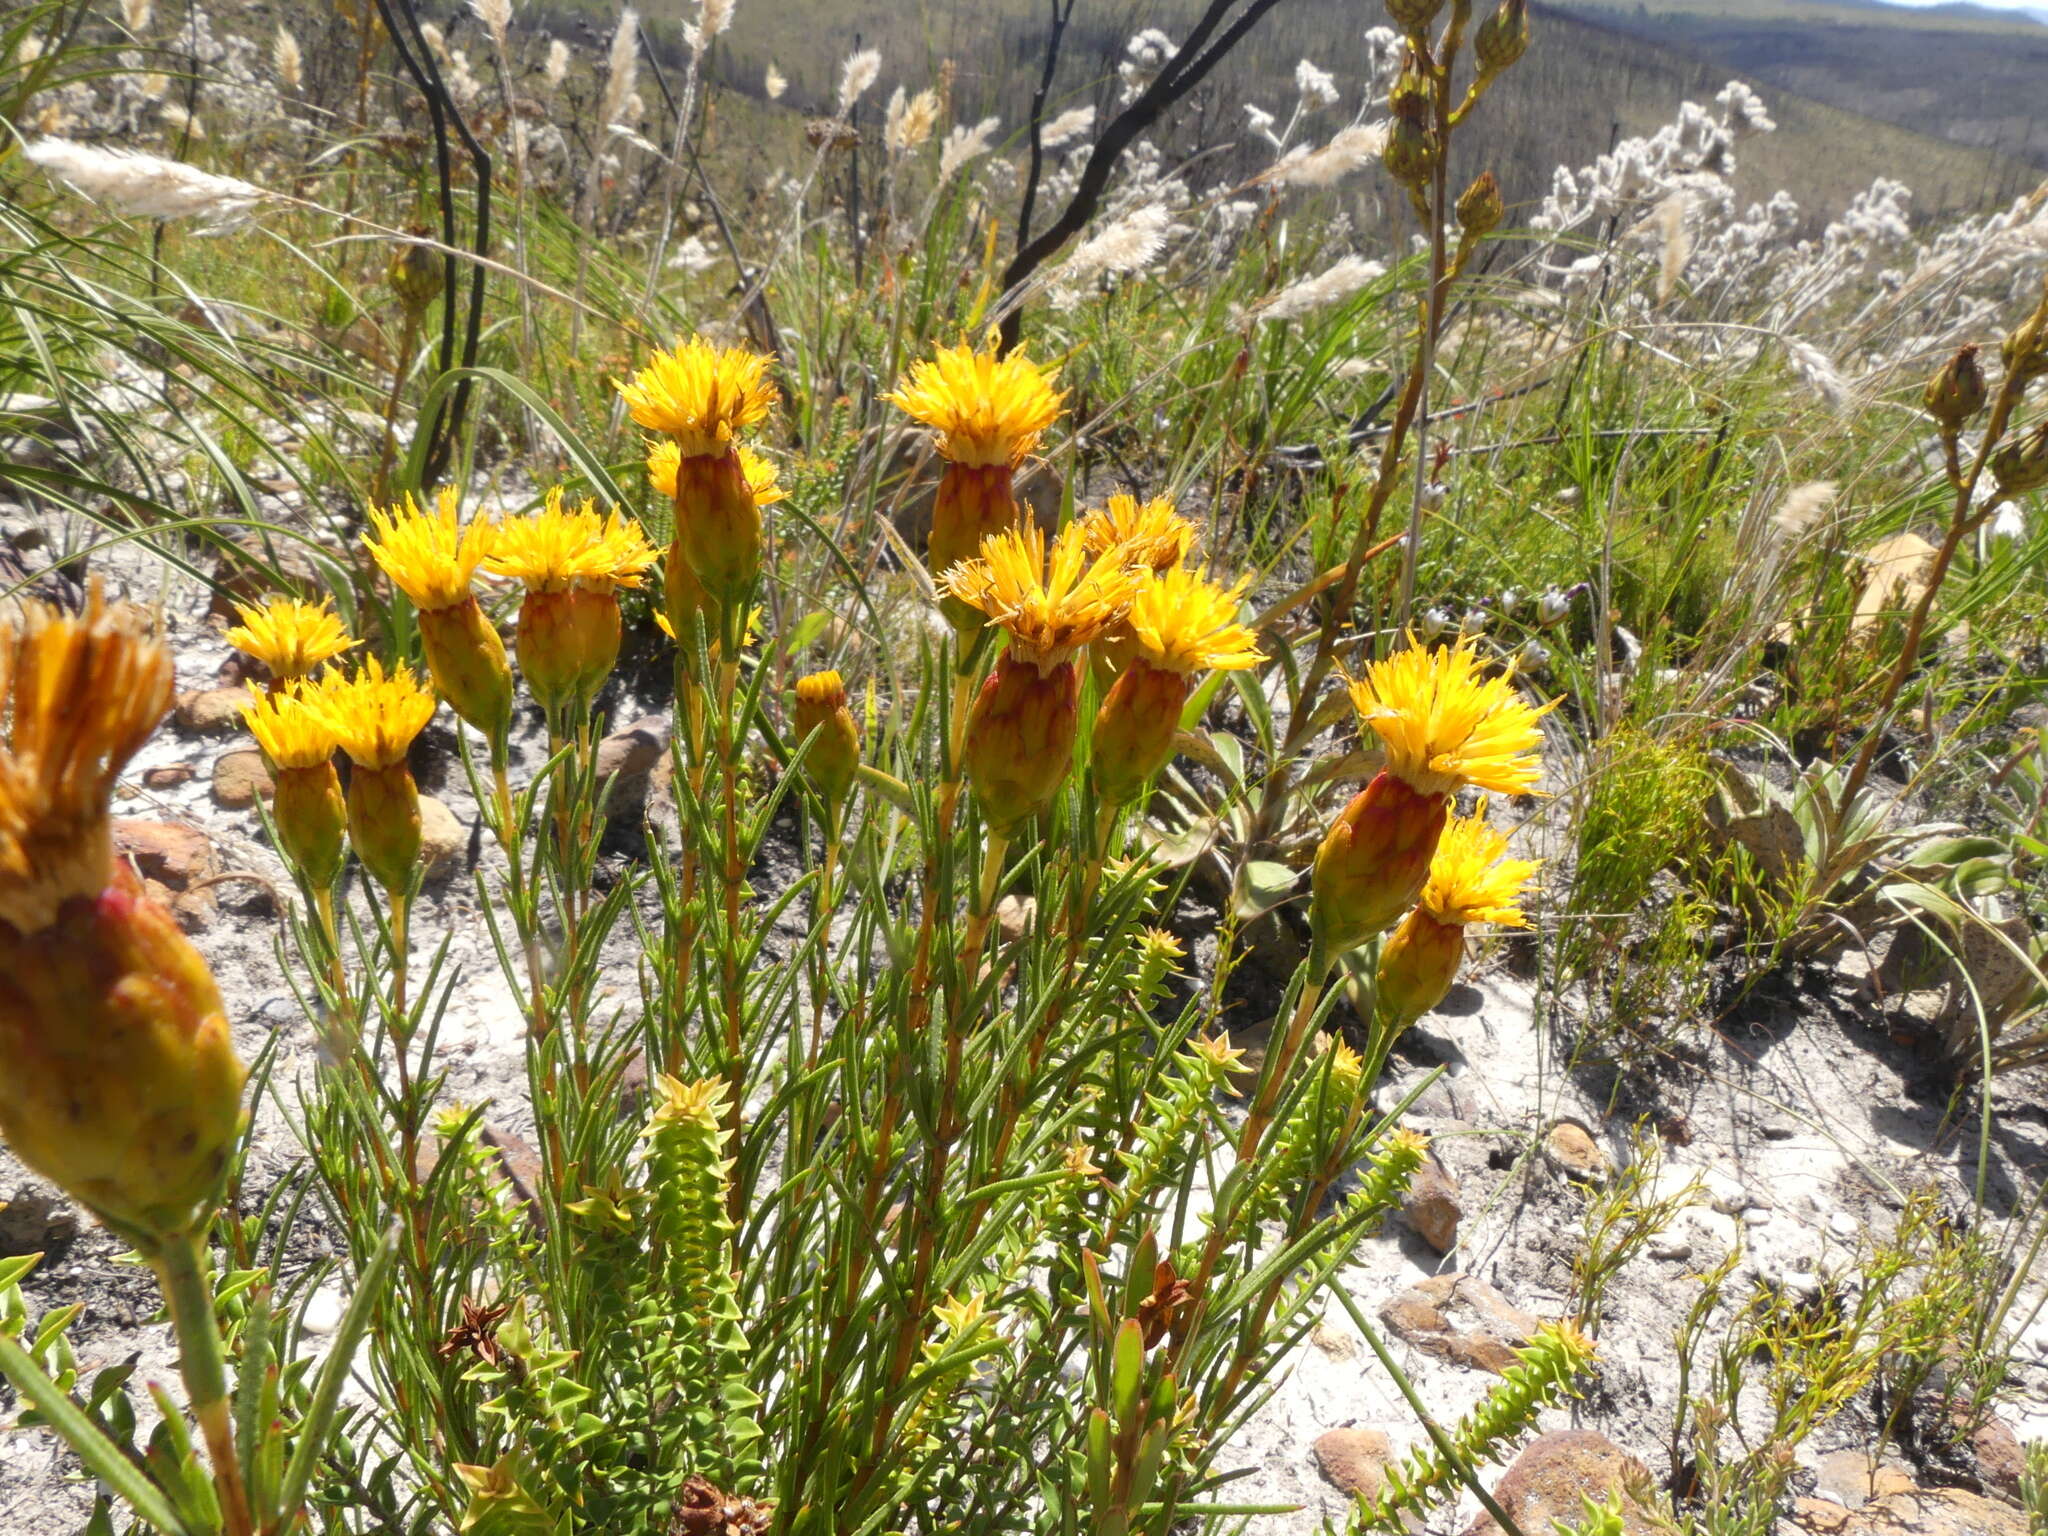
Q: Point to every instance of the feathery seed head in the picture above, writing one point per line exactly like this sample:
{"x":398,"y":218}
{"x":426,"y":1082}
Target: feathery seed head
{"x":986,"y":409}
{"x":289,"y":637}
{"x":558,"y":549}
{"x":701,"y":395}
{"x":375,"y":715}
{"x":81,"y":693}
{"x":1149,"y":533}
{"x":1445,"y":724}
{"x":557,"y":67}
{"x":1051,"y":602}
{"x":428,"y":555}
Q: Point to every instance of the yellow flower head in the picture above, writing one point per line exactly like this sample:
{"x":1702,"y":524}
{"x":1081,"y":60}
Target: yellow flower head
{"x":81,"y":693}
{"x":557,"y":549}
{"x":290,"y":637}
{"x":663,"y":456}
{"x":1445,"y":725}
{"x":1052,"y":604}
{"x":293,"y":728}
{"x":427,"y":555}
{"x":1149,"y":533}
{"x":700,"y":395}
{"x":375,"y":715}
{"x":986,"y":409}
{"x":1471,"y":878}
{"x":1180,"y":621}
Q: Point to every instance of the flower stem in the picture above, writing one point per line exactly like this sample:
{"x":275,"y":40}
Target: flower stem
{"x":180,"y":1265}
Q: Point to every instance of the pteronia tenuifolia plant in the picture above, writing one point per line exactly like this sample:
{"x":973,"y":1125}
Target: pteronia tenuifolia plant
{"x":903,"y":1231}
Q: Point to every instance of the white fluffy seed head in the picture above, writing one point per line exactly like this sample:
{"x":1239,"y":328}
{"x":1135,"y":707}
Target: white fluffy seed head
{"x":713,"y":18}
{"x":909,"y":121}
{"x":964,"y":144}
{"x":858,"y":73}
{"x":1067,"y":127}
{"x":286,"y":59}
{"x":622,"y":68}
{"x":1352,"y":149}
{"x":774,"y":83}
{"x":1339,"y":280}
{"x":1805,"y":508}
{"x":146,"y":186}
{"x":557,"y":67}
{"x":496,"y":15}
{"x":1131,"y":244}
{"x":135,"y":14}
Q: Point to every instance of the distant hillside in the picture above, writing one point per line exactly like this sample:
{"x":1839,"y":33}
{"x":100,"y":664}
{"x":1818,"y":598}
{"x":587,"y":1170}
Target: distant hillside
{"x":1597,"y":70}
{"x":1962,"y":73}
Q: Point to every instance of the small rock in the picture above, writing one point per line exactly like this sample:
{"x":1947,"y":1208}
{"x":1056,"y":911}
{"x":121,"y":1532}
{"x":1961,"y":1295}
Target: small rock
{"x":627,"y":757}
{"x":1014,"y":916}
{"x":442,"y":838}
{"x":1725,"y":1195}
{"x":1756,"y":1215}
{"x":195,"y":910}
{"x":168,"y":776}
{"x":1674,"y":1250}
{"x":168,"y":852}
{"x":1338,"y":1346}
{"x":1353,"y":1460}
{"x":1913,"y":1511}
{"x":1843,"y":1225}
{"x":1431,"y":1206}
{"x":324,"y":1312}
{"x":32,"y":1222}
{"x":1551,"y":1478}
{"x":1823,"y":1517}
{"x":211,"y":710}
{"x":1572,"y":1151}
{"x":2001,"y":1462}
{"x":1460,"y":1319}
{"x":240,"y":779}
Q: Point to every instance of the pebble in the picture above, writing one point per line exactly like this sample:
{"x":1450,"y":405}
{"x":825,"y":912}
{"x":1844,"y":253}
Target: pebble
{"x":1843,"y":1225}
{"x":1756,"y":1215}
{"x":1672,"y":1251}
{"x":323,"y":1312}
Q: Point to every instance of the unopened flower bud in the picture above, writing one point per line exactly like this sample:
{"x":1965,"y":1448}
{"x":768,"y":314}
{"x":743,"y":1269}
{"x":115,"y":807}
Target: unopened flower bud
{"x":2025,"y":350}
{"x":1956,"y":393}
{"x":1480,"y":209}
{"x":1502,"y":38}
{"x":1413,"y":16}
{"x":1553,"y":607}
{"x":1411,"y":147}
{"x":972,"y":503}
{"x":2022,"y":466}
{"x":823,"y":719}
{"x":415,"y":274}
{"x":1533,"y":659}
{"x":1417,"y":966}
